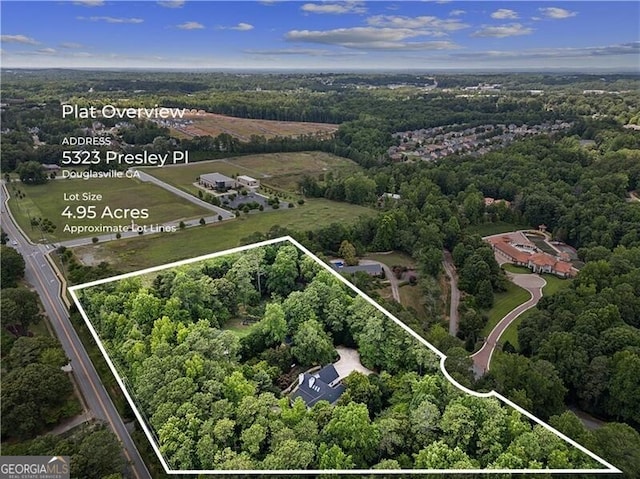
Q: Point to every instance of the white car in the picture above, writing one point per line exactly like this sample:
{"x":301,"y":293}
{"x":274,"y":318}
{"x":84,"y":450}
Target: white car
{"x":14,"y":243}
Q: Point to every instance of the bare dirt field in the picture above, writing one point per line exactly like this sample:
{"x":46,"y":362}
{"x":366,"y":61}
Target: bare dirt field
{"x":242,"y":128}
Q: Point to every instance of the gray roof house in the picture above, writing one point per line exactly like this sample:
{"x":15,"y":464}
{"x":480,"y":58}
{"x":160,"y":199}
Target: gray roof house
{"x":370,"y":269}
{"x":320,"y":386}
{"x":216,"y":181}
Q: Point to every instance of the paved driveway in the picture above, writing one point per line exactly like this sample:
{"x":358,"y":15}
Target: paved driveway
{"x":532,"y":283}
{"x":349,"y":361}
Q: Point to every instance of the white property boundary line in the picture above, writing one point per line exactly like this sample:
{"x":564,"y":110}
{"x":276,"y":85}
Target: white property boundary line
{"x":609,"y":467}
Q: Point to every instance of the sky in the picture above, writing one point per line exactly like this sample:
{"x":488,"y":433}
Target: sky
{"x":326,"y":35}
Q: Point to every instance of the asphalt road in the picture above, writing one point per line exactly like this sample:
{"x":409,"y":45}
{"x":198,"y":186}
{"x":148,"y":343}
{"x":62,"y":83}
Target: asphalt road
{"x":450,"y":269}
{"x":42,"y":276}
{"x":533,"y":284}
{"x":102,"y":238}
{"x":395,"y":292}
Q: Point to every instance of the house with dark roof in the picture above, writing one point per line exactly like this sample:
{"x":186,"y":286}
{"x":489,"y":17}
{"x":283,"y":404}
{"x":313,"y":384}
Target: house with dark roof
{"x":374,"y":269}
{"x":323,"y":385}
{"x":216,"y":181}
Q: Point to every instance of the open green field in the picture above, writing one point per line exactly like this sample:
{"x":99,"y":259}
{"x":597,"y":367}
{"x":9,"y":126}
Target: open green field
{"x":280,"y":170}
{"x":138,"y":253}
{"x":47,"y":201}
{"x":503,"y":303}
{"x":392,"y":259}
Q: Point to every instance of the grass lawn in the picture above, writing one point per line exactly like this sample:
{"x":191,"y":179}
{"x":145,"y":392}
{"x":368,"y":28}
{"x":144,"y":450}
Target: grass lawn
{"x":235,"y":325}
{"x":137,"y":253}
{"x":412,"y":297}
{"x":554,"y":284}
{"x":392,"y":259}
{"x":503,"y":303}
{"x":47,"y":201}
{"x":488,"y":229}
{"x":281,"y":170}
{"x":541,"y":244}
{"x":512,"y":268}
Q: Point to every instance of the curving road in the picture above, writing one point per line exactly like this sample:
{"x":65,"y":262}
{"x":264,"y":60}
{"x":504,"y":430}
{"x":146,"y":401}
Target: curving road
{"x":532,"y":283}
{"x":388,"y":275}
{"x":40,"y":273}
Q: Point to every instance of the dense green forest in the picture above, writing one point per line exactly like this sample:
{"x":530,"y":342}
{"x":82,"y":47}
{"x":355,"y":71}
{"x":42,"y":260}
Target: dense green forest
{"x":36,"y":394}
{"x":579,"y":348}
{"x":368,"y":116}
{"x":213,"y":396}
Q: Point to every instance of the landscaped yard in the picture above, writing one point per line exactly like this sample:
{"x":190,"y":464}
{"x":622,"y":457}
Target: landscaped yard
{"x":138,"y":253}
{"x":392,"y":259}
{"x":554,"y":284}
{"x":503,"y":303}
{"x":488,"y":229}
{"x":47,"y":201}
{"x":512,"y":268}
{"x":541,"y":244}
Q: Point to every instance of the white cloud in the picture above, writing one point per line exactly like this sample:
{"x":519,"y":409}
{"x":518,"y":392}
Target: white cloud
{"x":18,"y":39}
{"x":313,"y":52}
{"x":112,"y":19}
{"x":70,"y":45}
{"x":556,"y":13}
{"x":335,"y":8}
{"x":456,"y":13}
{"x":631,"y":48}
{"x":190,"y":26}
{"x":504,"y":14}
{"x":47,"y":51}
{"x":89,"y":3}
{"x":368,"y":38}
{"x":435,"y":24}
{"x":242,"y":27}
{"x":171,"y":3}
{"x":501,"y":31}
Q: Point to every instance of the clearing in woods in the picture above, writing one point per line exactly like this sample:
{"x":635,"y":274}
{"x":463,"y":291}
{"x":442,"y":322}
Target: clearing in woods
{"x":211,"y":124}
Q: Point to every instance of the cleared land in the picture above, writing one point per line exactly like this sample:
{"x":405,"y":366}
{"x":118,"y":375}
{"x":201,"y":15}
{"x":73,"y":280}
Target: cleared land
{"x":47,"y":201}
{"x":413,"y":297}
{"x":279,"y":170}
{"x":138,"y":253}
{"x":392,"y":259}
{"x":242,"y":128}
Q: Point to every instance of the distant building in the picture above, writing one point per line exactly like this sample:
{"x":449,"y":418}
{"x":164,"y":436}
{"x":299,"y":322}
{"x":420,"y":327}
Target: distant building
{"x":216,"y":181}
{"x":321,"y":386}
{"x":50,"y":167}
{"x":524,"y":254}
{"x":248,"y":182}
